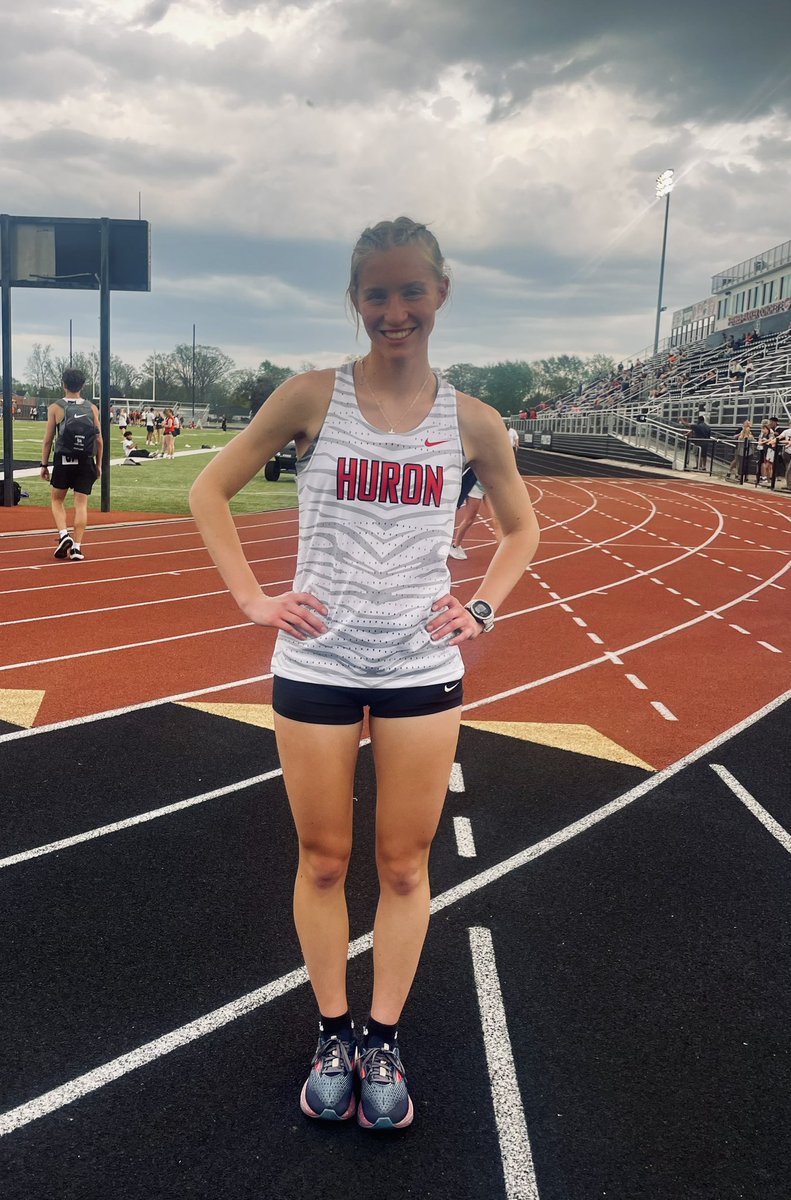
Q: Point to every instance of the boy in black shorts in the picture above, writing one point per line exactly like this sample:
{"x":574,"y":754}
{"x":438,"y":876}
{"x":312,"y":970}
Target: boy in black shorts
{"x":78,"y":460}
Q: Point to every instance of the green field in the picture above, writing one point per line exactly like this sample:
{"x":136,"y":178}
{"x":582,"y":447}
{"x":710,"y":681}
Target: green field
{"x":158,"y":485}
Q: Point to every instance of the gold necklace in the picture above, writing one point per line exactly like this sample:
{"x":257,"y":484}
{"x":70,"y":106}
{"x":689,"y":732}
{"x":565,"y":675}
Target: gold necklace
{"x":378,"y":404}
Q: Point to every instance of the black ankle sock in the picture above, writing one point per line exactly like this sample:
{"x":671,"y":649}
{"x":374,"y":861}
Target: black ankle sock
{"x":377,"y":1034}
{"x":341,"y":1026}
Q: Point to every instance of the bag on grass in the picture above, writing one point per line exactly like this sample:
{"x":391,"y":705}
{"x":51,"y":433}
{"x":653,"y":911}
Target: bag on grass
{"x":17,"y":492}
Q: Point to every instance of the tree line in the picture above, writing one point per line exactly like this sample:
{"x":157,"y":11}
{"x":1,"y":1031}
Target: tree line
{"x":212,"y":378}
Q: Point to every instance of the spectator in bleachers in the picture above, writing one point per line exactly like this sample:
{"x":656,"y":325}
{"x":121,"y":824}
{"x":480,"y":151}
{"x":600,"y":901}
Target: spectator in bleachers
{"x":700,"y":436}
{"x":736,"y":371}
{"x":784,"y":447}
{"x":744,"y":448}
{"x":766,"y":443}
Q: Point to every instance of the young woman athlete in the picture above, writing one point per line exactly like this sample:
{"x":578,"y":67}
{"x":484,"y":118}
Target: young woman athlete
{"x":371,"y":623}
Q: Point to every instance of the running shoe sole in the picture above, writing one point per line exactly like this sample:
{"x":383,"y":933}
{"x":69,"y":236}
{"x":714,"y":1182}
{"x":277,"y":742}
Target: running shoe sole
{"x":64,"y":546}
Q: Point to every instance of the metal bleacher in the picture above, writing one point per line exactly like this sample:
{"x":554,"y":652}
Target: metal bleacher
{"x":643,"y":414}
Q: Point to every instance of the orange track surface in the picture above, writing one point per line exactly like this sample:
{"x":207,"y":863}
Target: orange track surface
{"x":679,"y":581}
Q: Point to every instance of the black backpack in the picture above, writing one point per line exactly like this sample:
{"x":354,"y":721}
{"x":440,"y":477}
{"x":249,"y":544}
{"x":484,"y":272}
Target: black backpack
{"x":17,"y":492}
{"x":77,"y":433}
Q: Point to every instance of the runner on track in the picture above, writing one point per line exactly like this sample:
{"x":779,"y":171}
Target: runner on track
{"x":371,"y":623}
{"x":77,"y":461}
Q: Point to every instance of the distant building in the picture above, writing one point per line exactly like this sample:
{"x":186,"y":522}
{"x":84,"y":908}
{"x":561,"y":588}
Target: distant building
{"x":752,"y":294}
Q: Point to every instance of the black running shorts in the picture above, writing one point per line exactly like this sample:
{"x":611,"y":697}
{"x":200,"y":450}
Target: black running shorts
{"x":317,"y":704}
{"x":79,"y":474}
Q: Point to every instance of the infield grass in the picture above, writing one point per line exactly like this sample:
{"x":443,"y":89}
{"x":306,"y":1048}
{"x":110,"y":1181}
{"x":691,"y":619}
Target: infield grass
{"x":157,"y":485}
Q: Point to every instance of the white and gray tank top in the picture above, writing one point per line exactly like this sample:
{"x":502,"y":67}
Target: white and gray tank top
{"x":376,"y":517}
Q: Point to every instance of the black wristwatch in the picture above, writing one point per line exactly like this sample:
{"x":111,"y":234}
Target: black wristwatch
{"x":483,"y":613}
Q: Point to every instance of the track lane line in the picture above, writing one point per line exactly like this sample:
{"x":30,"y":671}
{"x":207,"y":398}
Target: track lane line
{"x":509,"y":1114}
{"x":14,"y":860}
{"x":91,"y":1081}
{"x":748,"y":800}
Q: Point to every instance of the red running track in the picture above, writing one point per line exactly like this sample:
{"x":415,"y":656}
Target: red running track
{"x":655,"y":612}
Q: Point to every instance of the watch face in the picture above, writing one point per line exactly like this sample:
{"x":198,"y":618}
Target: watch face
{"x":481,"y":609}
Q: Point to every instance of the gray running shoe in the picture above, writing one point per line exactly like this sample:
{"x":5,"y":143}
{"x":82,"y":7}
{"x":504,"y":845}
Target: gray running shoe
{"x":384,"y":1099}
{"x":328,"y":1091}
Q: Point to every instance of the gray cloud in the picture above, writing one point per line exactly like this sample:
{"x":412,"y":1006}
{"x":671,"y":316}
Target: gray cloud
{"x":694,"y":61}
{"x":152,"y":13}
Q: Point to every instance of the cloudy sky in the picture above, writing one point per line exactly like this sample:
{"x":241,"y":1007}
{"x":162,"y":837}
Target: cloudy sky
{"x":529,"y":133}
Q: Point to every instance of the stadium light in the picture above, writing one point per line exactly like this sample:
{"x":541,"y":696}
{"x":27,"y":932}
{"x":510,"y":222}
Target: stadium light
{"x":664,"y":186}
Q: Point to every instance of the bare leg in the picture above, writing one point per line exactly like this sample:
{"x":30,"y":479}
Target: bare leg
{"x":318,"y":768}
{"x":80,"y":516}
{"x":57,"y":498}
{"x":469,"y":513}
{"x":413,"y":757}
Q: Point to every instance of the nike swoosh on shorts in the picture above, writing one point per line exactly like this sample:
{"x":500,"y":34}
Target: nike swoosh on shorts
{"x":452,"y":686}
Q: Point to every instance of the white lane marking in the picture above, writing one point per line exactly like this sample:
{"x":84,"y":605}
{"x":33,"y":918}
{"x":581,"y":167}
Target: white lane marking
{"x":663,"y":710}
{"x":465,"y":843}
{"x":86,"y":612}
{"x":177,"y":637}
{"x":749,"y":576}
{"x":594,"y":637}
{"x":101,"y":560}
{"x":613,"y":658}
{"x":456,"y":779}
{"x":579,"y":621}
{"x":636,"y":682}
{"x":554,"y":595}
{"x":567,"y":608}
{"x":509,"y":1113}
{"x":83,"y":1085}
{"x":739,"y":629}
{"x":769,"y":646}
{"x":694,"y":603}
{"x":624,"y":649}
{"x":674,"y":591}
{"x":766,"y":819}
{"x":543,"y":585}
{"x":74,"y":583}
{"x":141,"y":819}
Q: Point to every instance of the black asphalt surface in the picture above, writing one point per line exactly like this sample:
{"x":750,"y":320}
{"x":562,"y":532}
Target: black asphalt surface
{"x":644,"y":967}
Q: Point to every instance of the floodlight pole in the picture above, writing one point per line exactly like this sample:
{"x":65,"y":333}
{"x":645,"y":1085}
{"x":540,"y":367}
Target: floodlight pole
{"x":193,"y":372}
{"x":5,"y":321}
{"x":664,"y":186}
{"x":104,"y":358}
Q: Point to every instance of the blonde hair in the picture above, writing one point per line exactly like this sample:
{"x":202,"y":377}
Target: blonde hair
{"x":385,"y":236}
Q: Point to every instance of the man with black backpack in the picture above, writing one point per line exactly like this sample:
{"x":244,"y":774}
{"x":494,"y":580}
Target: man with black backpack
{"x":78,"y":460}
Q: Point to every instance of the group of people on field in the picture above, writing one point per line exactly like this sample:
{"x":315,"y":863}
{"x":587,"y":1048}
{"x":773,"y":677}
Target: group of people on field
{"x":162,"y":428}
{"x":371,"y":629}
